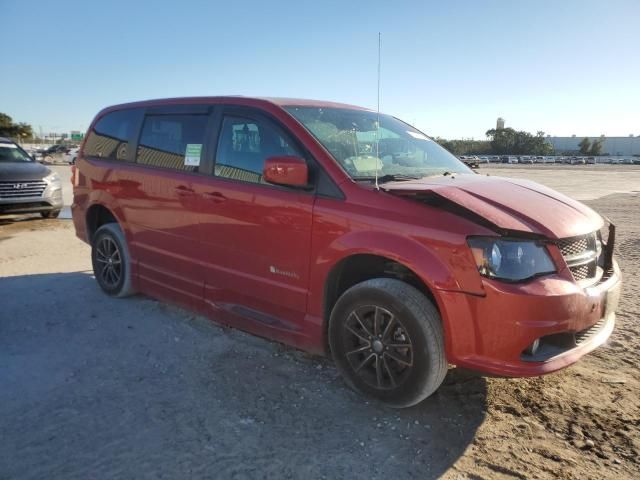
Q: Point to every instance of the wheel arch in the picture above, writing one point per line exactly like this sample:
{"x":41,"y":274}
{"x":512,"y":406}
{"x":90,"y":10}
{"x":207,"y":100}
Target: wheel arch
{"x":391,"y":256}
{"x":97,"y":215}
{"x":359,"y":267}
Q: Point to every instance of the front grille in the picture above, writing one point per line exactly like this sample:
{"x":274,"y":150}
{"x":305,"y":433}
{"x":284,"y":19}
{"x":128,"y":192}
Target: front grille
{"x":558,"y":343}
{"x":587,"y":333}
{"x":22,"y":207}
{"x":581,"y":254}
{"x":573,"y":246}
{"x":22,"y":189}
{"x":583,"y":271}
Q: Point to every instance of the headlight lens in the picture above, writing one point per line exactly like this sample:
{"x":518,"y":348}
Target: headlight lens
{"x":53,"y":178}
{"x":510,"y":259}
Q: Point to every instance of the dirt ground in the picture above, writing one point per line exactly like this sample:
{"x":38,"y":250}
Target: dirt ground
{"x":93,"y":387}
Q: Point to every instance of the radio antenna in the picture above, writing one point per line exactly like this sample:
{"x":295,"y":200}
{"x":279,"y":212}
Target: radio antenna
{"x":378,"y":114}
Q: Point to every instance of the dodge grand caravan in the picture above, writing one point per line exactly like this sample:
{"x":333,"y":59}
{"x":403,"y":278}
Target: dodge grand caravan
{"x":320,"y":226}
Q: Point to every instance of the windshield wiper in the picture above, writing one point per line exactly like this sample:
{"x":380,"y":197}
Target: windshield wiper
{"x":391,"y":177}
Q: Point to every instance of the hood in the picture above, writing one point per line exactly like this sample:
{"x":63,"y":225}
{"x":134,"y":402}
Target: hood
{"x":14,"y":171}
{"x":506,"y":205}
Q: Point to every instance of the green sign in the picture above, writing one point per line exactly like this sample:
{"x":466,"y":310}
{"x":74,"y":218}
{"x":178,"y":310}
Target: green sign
{"x":76,"y":137}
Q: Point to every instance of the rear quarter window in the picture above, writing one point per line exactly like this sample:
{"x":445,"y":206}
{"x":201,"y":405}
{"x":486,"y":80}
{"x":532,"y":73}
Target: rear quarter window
{"x":110,"y":136}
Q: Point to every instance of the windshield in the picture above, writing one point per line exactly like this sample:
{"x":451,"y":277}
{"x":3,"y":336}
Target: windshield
{"x":10,"y":152}
{"x":396,"y":149}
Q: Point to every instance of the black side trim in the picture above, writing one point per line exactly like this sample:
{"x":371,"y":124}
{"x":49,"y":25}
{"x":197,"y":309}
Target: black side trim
{"x":608,"y":249}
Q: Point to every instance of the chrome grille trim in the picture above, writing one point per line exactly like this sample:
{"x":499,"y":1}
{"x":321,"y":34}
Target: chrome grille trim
{"x":581,"y":254}
{"x":22,"y":189}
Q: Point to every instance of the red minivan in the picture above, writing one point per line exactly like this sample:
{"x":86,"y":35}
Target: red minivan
{"x":342,"y":232}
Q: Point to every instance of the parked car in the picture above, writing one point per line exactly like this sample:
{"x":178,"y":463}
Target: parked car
{"x":591,"y":160}
{"x":25,"y":185}
{"x":525,"y":159}
{"x":576,"y":161}
{"x":471,"y":161}
{"x":71,"y":155}
{"x":54,"y":150}
{"x":275,"y":216}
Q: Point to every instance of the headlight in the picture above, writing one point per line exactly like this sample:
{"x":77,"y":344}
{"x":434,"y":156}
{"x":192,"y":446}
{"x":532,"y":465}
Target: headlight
{"x":510,"y":259}
{"x":53,"y":178}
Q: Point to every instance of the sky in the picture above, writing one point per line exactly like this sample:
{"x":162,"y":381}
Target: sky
{"x":448,"y":67}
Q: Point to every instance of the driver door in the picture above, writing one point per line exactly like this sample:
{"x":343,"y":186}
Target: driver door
{"x":256,"y":236}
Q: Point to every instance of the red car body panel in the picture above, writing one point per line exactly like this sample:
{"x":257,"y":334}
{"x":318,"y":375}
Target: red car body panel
{"x":515,"y":205}
{"x":259,"y":258}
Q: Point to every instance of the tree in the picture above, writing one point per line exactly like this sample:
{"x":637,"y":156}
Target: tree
{"x":465,"y":147}
{"x":16,"y":130}
{"x":6,"y":122}
{"x":510,"y":141}
{"x":596,"y":147}
{"x":585,"y":146}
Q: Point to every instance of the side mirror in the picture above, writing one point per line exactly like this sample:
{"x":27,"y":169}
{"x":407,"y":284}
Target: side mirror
{"x":286,"y":170}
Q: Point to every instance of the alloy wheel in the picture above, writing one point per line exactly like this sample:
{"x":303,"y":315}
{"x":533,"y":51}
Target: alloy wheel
{"x":378,"y":347}
{"x":109,"y":262}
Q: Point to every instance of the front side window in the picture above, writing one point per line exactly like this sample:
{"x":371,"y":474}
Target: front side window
{"x":361,"y":147}
{"x":10,"y":152}
{"x":109,"y":138}
{"x":243,"y":146}
{"x":173,"y":141}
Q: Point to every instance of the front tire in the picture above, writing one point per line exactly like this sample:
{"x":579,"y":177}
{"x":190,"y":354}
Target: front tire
{"x":387,"y":342}
{"x":111,"y":261}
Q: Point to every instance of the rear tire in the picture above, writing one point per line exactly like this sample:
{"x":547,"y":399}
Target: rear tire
{"x":50,"y":214}
{"x":111,"y":261}
{"x":387,"y":342}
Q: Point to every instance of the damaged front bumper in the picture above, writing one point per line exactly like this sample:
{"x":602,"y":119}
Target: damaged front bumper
{"x":563,"y":319}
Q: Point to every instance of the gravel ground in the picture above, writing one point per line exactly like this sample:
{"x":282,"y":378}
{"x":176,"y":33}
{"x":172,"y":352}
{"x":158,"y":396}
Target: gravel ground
{"x":94,"y":387}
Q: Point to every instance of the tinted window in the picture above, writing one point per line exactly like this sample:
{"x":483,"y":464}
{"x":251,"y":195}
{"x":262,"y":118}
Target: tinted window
{"x":244,"y":145}
{"x":173,"y":141}
{"x":10,"y":152}
{"x":110,"y":136}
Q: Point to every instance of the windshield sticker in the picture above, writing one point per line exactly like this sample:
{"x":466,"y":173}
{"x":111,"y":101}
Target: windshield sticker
{"x":367,"y":163}
{"x":419,"y":136}
{"x":192,"y":154}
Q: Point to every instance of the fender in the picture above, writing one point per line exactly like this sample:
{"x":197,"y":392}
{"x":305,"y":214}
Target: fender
{"x":106,"y":200}
{"x":427,"y":265}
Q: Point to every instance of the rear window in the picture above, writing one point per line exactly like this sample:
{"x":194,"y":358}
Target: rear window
{"x":173,"y":141}
{"x":110,"y":136}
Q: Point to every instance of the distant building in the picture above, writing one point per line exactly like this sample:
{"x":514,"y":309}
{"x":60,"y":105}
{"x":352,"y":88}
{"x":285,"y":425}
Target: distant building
{"x":618,"y":146}
{"x":500,"y":123}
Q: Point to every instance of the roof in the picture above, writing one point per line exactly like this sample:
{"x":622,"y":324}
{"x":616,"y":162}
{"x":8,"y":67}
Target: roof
{"x":302,"y":102}
{"x":238,"y":99}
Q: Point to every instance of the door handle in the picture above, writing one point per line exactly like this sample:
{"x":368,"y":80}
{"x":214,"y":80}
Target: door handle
{"x":183,"y":191}
{"x":216,"y":197}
